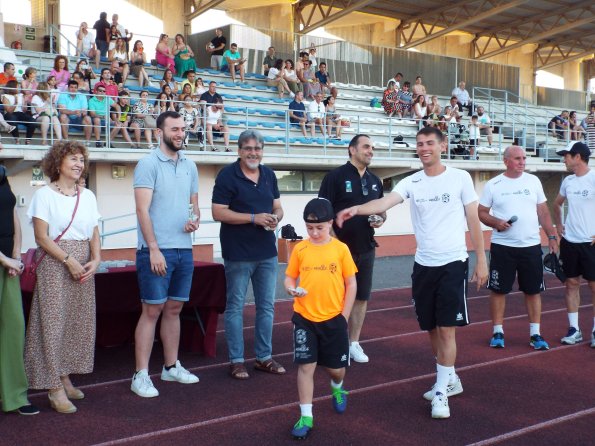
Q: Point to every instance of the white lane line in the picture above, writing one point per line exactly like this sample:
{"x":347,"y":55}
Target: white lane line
{"x":535,"y":427}
{"x":186,"y":427}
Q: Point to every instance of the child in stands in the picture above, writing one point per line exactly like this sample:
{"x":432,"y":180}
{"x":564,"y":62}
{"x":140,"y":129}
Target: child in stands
{"x":322,"y":305}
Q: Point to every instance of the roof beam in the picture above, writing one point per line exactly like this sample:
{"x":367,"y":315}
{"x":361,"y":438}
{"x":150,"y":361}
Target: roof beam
{"x":555,"y":53}
{"x":201,"y":6}
{"x":464,"y":16}
{"x":304,"y":12}
{"x":566,"y":59}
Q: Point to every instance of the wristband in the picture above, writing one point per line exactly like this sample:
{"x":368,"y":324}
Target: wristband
{"x":252,"y":218}
{"x":551,"y":237}
{"x":66,"y":258}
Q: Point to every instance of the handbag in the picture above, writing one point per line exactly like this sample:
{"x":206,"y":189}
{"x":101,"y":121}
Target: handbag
{"x":29,"y":274}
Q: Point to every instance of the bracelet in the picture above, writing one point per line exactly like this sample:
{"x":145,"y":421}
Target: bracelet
{"x":551,"y":237}
{"x":66,"y":258}
{"x":252,"y":218}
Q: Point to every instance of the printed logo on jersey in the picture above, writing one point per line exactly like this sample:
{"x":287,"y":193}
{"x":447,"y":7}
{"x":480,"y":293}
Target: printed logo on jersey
{"x":585,"y":193}
{"x":375,"y":187}
{"x":300,"y":336}
{"x":445,"y":198}
{"x":527,"y":192}
{"x":332,"y":267}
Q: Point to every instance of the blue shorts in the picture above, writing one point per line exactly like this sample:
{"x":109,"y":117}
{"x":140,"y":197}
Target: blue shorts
{"x":75,"y":122}
{"x":225,"y":68}
{"x":175,"y":285}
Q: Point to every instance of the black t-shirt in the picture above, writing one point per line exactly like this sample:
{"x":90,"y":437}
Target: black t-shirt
{"x":216,"y":42}
{"x":99,"y":28}
{"x":7,"y":204}
{"x":209,"y":98}
{"x":344,"y":188}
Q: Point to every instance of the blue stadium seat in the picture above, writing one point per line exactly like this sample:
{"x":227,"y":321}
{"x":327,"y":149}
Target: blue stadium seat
{"x":265,"y":112}
{"x":246,"y":86}
{"x":233,"y":137}
{"x":319,"y":141}
{"x":262,"y":87}
{"x":153,"y":89}
{"x":245,"y":98}
{"x":280,"y":113}
{"x":281,"y":125}
{"x":278,"y":100}
{"x":252,"y":123}
{"x":268,"y":138}
{"x":262,"y":99}
{"x":229,"y":96}
{"x":252,"y":111}
{"x":268,"y":125}
{"x":233,"y":122}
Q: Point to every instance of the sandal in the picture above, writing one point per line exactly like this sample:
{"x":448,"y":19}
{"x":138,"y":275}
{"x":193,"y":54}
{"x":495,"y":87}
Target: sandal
{"x":270,"y":366}
{"x":237,"y":370}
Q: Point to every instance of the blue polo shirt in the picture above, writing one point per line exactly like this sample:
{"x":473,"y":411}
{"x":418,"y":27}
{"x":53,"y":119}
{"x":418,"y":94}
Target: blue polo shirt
{"x":173,"y":183}
{"x":298,"y":109}
{"x":78,"y":102}
{"x":246,"y":242}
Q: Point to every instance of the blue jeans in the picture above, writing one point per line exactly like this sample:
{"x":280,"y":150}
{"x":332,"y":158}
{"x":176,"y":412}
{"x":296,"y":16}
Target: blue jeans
{"x":263,"y":274}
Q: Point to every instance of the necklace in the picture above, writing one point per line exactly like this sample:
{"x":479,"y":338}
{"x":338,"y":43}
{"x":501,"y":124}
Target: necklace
{"x":62,"y":192}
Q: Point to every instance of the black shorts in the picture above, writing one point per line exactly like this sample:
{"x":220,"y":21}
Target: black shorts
{"x":326,"y":343}
{"x":363,"y":277}
{"x":440,"y":294}
{"x":578,"y":259}
{"x":506,"y":262}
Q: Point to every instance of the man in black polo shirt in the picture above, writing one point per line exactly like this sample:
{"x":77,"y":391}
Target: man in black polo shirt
{"x":215,"y":48}
{"x":210,"y":95}
{"x":350,"y":185}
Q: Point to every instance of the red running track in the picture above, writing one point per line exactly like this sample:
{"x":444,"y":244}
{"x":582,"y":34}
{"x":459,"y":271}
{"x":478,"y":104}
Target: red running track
{"x":513,"y":396}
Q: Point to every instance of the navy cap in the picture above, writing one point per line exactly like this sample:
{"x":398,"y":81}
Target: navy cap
{"x":575,"y":147}
{"x":318,"y":210}
{"x":551,"y":264}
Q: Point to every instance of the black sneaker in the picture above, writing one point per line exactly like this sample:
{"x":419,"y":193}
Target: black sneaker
{"x":98,"y":144}
{"x":29,"y":409}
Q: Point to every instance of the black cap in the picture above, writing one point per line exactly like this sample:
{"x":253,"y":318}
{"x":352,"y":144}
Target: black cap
{"x":318,"y":210}
{"x":551,"y":264}
{"x":575,"y":147}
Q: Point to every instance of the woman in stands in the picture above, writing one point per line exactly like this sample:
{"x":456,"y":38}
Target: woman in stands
{"x":192,"y":120}
{"x":138,"y":59}
{"x":114,"y":34}
{"x":404,"y":101}
{"x":333,"y":119}
{"x":86,"y":70}
{"x":163,"y":104}
{"x":60,"y":72}
{"x":85,"y":44}
{"x":199,"y":88}
{"x":45,"y":112}
{"x":83,"y":85}
{"x":142,"y":118}
{"x":186,"y":90}
{"x":119,"y":54}
{"x":420,"y":110}
{"x":29,"y":84}
{"x":168,"y":79}
{"x":183,"y":55}
{"x":275,"y":79}
{"x":291,"y":78}
{"x":389,"y":100}
{"x":15,"y":111}
{"x":163,"y":53}
{"x":577,"y":132}
{"x":310,"y":83}
{"x":418,"y":89}
{"x":61,"y":329}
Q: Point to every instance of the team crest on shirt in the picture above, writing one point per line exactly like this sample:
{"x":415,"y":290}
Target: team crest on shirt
{"x":333,"y":267}
{"x":300,"y":336}
{"x":585,"y":193}
{"x":445,"y":198}
{"x":527,"y":192}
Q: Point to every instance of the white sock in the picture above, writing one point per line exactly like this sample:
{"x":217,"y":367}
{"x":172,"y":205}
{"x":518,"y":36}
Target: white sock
{"x":573,"y":320}
{"x":533,"y":329}
{"x":442,"y":377}
{"x":335,"y":385}
{"x":498,"y":329}
{"x":306,"y":410}
{"x":354,"y":343}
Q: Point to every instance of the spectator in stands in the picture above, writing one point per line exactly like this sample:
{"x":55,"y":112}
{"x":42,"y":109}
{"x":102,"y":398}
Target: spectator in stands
{"x":275,"y":79}
{"x":311,"y":85}
{"x":190,"y":78}
{"x":420,"y":110}
{"x":102,"y":34}
{"x":474,"y":135}
{"x":333,"y":119}
{"x":85,"y":44}
{"x":15,"y":112}
{"x":191,"y":120}
{"x":168,"y":79}
{"x":324,"y":79}
{"x":163,"y":54}
{"x":138,"y":59}
{"x":163,"y":104}
{"x":72,"y":108}
{"x":8,"y":74}
{"x":45,"y":112}
{"x":61,"y":72}
{"x":434,"y":100}
{"x":143,"y":119}
{"x":211,"y":95}
{"x":186,"y":90}
{"x":87,"y":72}
{"x":395,"y":80}
{"x":576,"y":131}
{"x":297,"y":112}
{"x":433,"y":115}
{"x":390,"y":99}
{"x":121,"y":118}
{"x":83,"y":85}
{"x":98,"y":107}
{"x":233,"y":62}
{"x":199,"y":88}
{"x":312,"y":58}
{"x":122,"y":31}
{"x":485,"y":124}
{"x":299,"y":65}
{"x":168,"y":92}
{"x":114,"y":34}
{"x":54,"y":92}
{"x":269,"y":60}
{"x":463,"y":98}
{"x":119,"y":59}
{"x":107,"y":82}
{"x":559,"y":125}
{"x":183,"y":55}
{"x":404,"y":101}
{"x":290,"y":76}
{"x":216,"y":48}
{"x":418,"y":88}
{"x":29,"y":84}
{"x":216,"y":126}
{"x":590,"y":129}
{"x":316,"y":115}
{"x":451,"y":114}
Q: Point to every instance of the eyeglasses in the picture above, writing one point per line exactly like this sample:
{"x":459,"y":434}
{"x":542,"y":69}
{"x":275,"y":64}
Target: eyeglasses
{"x":101,"y":90}
{"x":364,"y":186}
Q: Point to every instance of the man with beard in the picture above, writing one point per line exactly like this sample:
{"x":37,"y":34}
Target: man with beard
{"x":246,"y":201}
{"x":165,"y":187}
{"x":485,"y":124}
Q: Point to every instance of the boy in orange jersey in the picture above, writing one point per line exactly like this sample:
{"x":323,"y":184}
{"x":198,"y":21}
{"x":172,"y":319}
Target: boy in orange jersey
{"x":322,"y":305}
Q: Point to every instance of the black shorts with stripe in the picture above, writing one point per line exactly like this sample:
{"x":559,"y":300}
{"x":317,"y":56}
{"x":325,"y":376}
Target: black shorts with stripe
{"x":509,"y":262}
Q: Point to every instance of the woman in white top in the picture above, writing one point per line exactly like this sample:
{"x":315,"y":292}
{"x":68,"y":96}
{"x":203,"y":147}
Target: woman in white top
{"x":85,"y":44}
{"x":214,"y":122}
{"x":120,"y":55}
{"x":291,"y":78}
{"x":275,"y":79}
{"x":420,"y":110}
{"x":60,"y":337}
{"x":45,"y":112}
{"x":199,"y":88}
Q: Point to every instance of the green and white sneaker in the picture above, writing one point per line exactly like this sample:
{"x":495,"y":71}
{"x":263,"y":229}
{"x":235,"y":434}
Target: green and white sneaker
{"x":302,"y":428}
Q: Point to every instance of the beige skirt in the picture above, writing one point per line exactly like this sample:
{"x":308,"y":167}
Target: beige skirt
{"x":61,"y":330}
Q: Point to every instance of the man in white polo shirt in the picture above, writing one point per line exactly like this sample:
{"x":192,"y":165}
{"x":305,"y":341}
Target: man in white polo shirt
{"x":316,"y":112}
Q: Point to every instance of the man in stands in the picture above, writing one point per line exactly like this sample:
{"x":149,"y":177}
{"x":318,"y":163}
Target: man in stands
{"x":297,"y":112}
{"x":8,"y":74}
{"x":323,"y":77}
{"x":106,"y":81}
{"x":99,"y":106}
{"x":102,"y":34}
{"x":72,"y":107}
{"x":516,"y":242}
{"x":190,"y":78}
{"x":396,"y":80}
{"x":216,"y":47}
{"x":559,"y":125}
{"x":211,"y":94}
{"x":463,"y":98}
{"x":485,"y":124}
{"x":269,"y":60}
{"x":299,"y":66}
{"x":577,"y":233}
{"x":316,"y":114}
{"x":233,"y":61}
{"x":454,"y":108}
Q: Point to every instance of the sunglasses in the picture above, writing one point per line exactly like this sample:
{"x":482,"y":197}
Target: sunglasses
{"x":365,"y":187}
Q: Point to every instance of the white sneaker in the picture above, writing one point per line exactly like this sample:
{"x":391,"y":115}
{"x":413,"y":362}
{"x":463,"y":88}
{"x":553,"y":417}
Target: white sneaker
{"x":572,"y":337}
{"x":440,"y":407}
{"x":593,"y":339}
{"x":357,"y":353}
{"x":453,"y":389}
{"x":179,"y":374}
{"x":142,"y":385}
